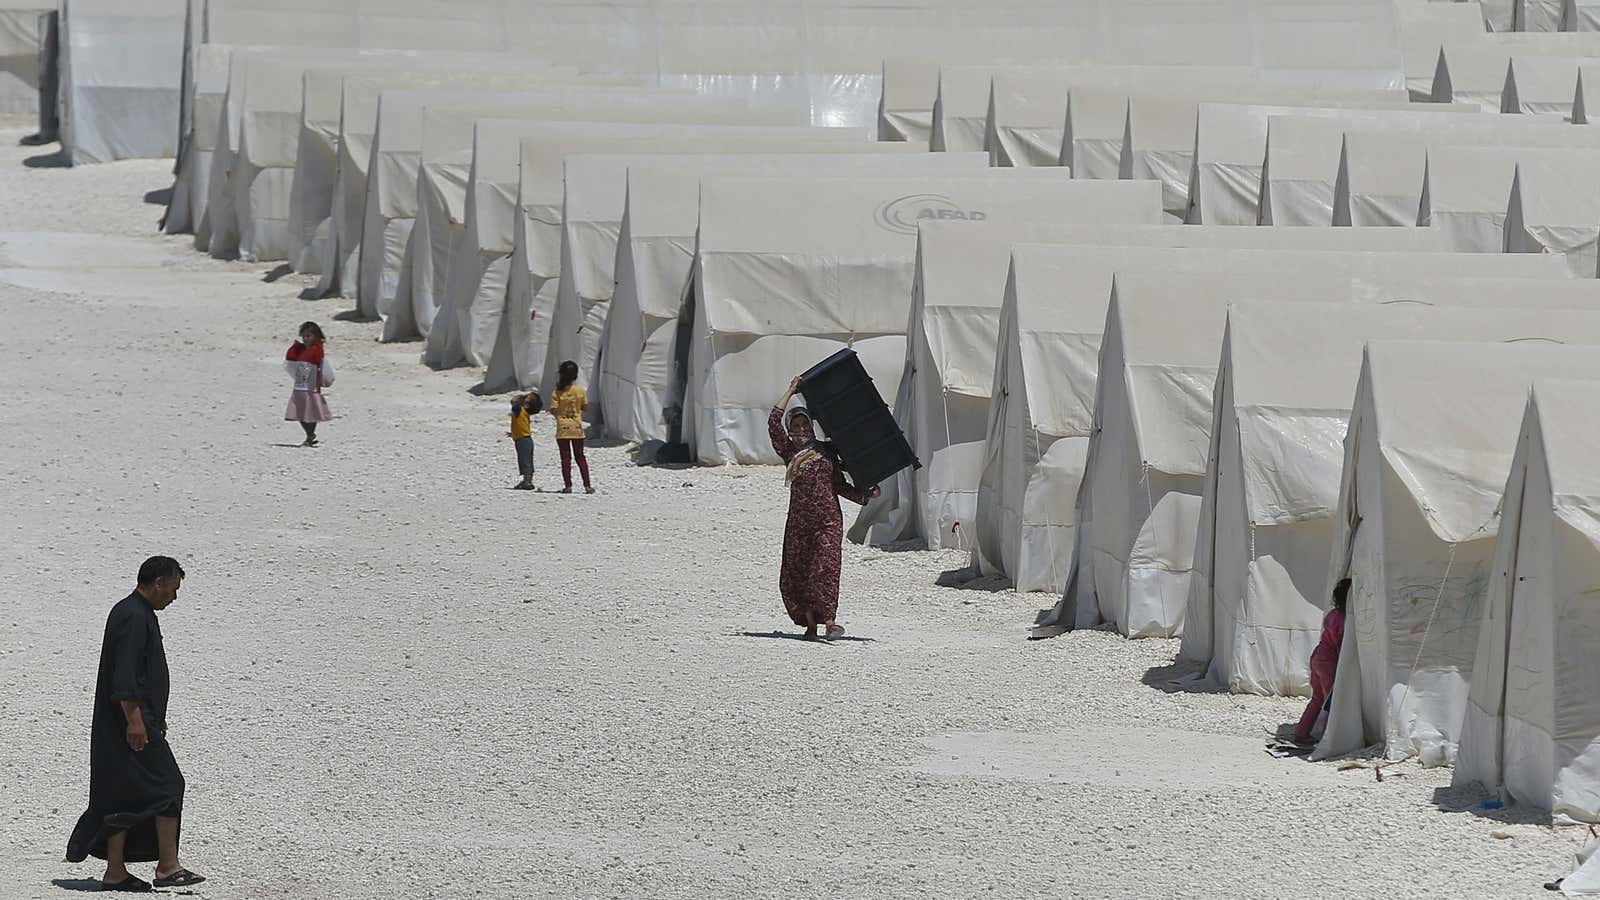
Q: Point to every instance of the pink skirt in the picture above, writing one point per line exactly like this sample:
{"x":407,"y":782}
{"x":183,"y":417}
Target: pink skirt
{"x":307,"y":406}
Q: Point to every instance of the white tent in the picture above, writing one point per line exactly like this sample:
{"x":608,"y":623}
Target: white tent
{"x":773,"y":295}
{"x":1230,"y":146}
{"x":1475,"y":71}
{"x":25,"y":34}
{"x":1588,"y":73}
{"x":1302,"y":162}
{"x":655,"y":249}
{"x":121,"y":70}
{"x":1154,"y":131}
{"x":191,"y":187}
{"x":1425,"y":27}
{"x":1381,"y":172}
{"x":1467,"y":190}
{"x":514,"y":214}
{"x":1530,"y":727}
{"x":1541,"y":85}
{"x":592,"y":209}
{"x":316,"y":166}
{"x":394,"y":167}
{"x":961,"y":108}
{"x":1555,"y":208}
{"x":361,"y":107}
{"x":1280,"y":405}
{"x":1151,"y":429}
{"x":959,"y":294}
{"x":1431,"y":437}
{"x":460,"y":256}
{"x":269,"y":99}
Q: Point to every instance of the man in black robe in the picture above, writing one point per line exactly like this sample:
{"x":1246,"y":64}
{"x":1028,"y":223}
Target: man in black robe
{"x":135,"y":788}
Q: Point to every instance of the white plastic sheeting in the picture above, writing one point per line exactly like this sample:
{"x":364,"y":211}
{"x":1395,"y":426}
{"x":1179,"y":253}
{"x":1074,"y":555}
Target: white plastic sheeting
{"x":1555,"y":208}
{"x":774,"y":294}
{"x":1298,"y":181}
{"x":947,"y":385}
{"x":1280,"y":405}
{"x":1382,"y":172}
{"x":1147,"y":457}
{"x":1230,"y":146}
{"x":120,"y":77}
{"x":655,"y":250}
{"x":1467,"y":190}
{"x":1530,"y":731}
{"x":1432,"y":433}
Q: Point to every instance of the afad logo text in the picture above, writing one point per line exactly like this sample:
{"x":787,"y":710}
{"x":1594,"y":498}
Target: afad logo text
{"x":903,"y":214}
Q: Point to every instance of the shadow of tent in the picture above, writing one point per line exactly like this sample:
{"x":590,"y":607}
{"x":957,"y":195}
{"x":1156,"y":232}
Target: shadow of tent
{"x":969,"y":579}
{"x":1180,"y":677}
{"x":159,"y":197}
{"x":1477,"y":801}
{"x":56,"y":160}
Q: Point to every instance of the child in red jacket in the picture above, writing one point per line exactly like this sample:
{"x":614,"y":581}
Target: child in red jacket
{"x":304,"y":361}
{"x":1324,"y":662}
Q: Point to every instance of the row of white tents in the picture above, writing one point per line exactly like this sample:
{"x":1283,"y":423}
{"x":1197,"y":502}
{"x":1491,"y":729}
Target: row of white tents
{"x":1181,"y":429}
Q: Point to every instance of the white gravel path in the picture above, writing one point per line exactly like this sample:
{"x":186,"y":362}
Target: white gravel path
{"x":396,"y":677}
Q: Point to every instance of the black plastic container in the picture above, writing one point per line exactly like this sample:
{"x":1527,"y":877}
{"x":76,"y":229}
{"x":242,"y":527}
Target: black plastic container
{"x":844,"y":401}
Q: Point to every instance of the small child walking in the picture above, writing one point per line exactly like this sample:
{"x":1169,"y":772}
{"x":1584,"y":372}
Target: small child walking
{"x":1324,"y":662}
{"x":307,"y":363}
{"x":523,"y":408}
{"x":567,"y":404}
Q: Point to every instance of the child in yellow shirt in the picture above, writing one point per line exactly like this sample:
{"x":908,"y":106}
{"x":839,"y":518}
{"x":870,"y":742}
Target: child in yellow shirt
{"x":523,"y":407}
{"x":567,"y":404}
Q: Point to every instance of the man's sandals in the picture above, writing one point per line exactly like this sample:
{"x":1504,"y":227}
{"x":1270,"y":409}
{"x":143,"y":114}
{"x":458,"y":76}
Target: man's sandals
{"x":180,"y":878}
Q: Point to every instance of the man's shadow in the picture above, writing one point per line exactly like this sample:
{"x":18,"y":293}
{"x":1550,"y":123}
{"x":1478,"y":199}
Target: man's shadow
{"x":795,"y":636}
{"x":78,"y":884}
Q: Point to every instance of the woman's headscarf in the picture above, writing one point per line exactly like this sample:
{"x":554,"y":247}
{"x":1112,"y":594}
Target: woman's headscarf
{"x":806,"y":455}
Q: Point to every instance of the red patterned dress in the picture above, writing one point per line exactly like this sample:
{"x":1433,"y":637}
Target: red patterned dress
{"x":814,"y":535}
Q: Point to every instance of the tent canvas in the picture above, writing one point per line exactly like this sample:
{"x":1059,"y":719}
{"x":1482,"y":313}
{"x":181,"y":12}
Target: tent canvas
{"x":655,"y":249}
{"x":396,"y":162}
{"x":1302,"y":162}
{"x":1154,"y":129}
{"x":947,"y":384}
{"x":772,"y":295}
{"x":1381,"y":173}
{"x":1541,"y":85}
{"x":1555,"y":209}
{"x":1466,"y":191}
{"x":1432,"y":433}
{"x":1280,"y":406}
{"x":316,"y":167}
{"x":1424,"y":30}
{"x":513,"y":216}
{"x":1230,"y":147}
{"x":361,"y":132}
{"x":1474,"y":71}
{"x":120,"y":76}
{"x":1146,"y":459}
{"x":593,"y":204}
{"x":1530,"y":728}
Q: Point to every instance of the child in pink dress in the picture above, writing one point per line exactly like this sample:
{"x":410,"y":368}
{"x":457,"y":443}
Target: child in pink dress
{"x":1324,"y":662}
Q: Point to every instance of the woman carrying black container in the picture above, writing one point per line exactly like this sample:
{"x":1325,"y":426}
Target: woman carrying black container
{"x":814,"y":534}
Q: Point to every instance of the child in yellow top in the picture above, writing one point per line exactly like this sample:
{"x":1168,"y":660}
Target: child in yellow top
{"x":523,"y":406}
{"x":567,"y":404}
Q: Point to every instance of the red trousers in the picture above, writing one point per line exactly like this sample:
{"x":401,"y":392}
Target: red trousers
{"x":569,"y":448}
{"x":1321,"y":690}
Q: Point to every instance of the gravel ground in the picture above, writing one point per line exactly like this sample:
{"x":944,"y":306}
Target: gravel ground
{"x":395,"y":676}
